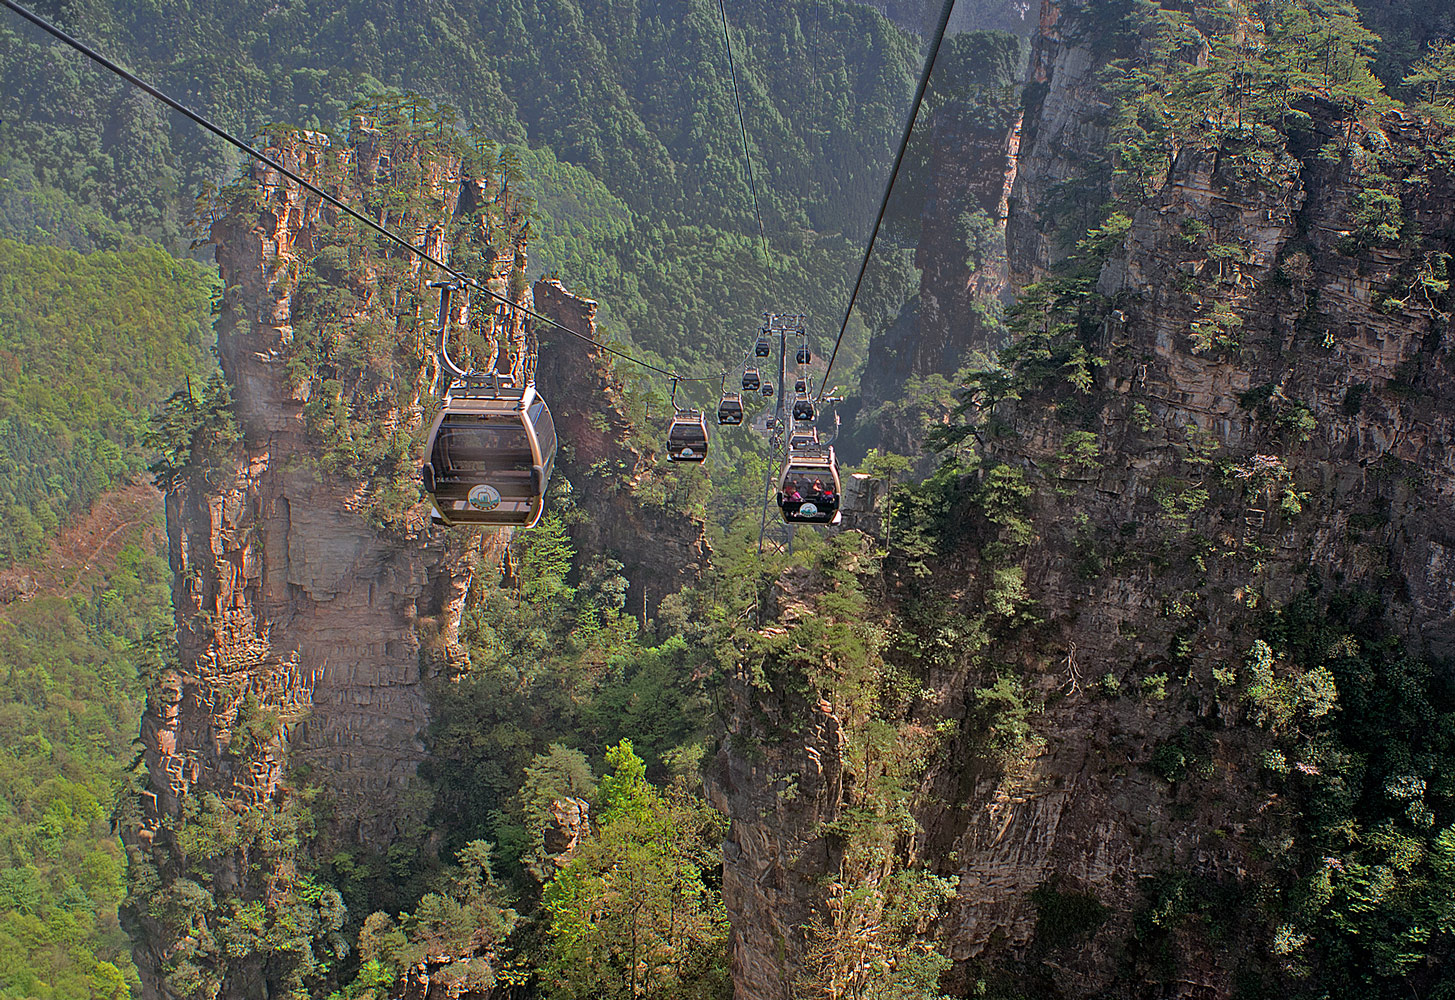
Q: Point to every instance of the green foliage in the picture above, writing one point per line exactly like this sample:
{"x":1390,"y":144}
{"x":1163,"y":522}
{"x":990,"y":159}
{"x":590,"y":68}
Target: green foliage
{"x":465,"y":915}
{"x":557,"y":775}
{"x":602,"y":87}
{"x":1209,"y":75}
{"x":1367,"y":725}
{"x":291,"y":933}
{"x":88,"y":345}
{"x":192,"y":436}
{"x":1378,"y":215}
{"x":1432,"y":80}
{"x":1215,"y":332}
{"x":70,"y":704}
{"x":1002,"y":713}
{"x":1065,"y":917}
{"x":631,"y":914}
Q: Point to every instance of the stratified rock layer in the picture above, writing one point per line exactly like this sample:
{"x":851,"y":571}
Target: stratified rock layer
{"x":288,"y":595}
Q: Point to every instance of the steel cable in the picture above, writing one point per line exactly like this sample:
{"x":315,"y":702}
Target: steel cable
{"x":263,"y":158}
{"x":919,"y":96}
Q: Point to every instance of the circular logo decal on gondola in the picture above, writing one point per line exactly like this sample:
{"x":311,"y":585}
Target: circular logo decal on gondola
{"x":808,"y":509}
{"x":688,"y":453}
{"x":484,"y":497}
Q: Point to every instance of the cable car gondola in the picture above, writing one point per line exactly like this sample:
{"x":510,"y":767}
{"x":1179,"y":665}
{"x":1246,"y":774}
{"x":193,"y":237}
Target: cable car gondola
{"x":763,"y":349}
{"x":800,"y":385}
{"x":492,"y":447}
{"x":687,"y":437}
{"x":730,"y":410}
{"x":768,"y":389}
{"x":751,"y":380}
{"x":808,"y":485}
{"x":803,"y":408}
{"x":804,"y":355}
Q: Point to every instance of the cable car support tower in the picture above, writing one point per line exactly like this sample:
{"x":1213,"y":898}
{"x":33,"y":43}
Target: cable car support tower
{"x":781,"y":537}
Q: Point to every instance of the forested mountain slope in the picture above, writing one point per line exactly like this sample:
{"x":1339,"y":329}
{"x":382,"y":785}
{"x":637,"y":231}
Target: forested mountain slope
{"x":90,"y":344}
{"x":637,"y":93}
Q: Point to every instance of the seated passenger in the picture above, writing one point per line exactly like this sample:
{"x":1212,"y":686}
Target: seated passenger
{"x":791,"y":493}
{"x":817,"y":489}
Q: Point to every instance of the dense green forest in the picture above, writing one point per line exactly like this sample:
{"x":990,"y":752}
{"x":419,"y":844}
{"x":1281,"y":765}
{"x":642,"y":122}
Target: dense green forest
{"x":90,"y":344}
{"x":76,"y":666}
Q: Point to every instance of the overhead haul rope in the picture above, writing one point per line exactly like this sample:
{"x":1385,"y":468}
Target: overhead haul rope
{"x":742,"y":128}
{"x":261,"y":157}
{"x":919,"y":96}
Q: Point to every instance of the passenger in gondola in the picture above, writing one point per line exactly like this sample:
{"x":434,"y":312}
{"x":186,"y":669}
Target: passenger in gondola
{"x":816,"y":491}
{"x":791,"y":492}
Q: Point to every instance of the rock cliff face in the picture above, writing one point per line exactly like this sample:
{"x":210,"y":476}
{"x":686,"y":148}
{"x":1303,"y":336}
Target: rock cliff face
{"x":290,"y":601}
{"x":961,"y":259}
{"x":313,"y":599}
{"x":971,"y":165}
{"x":1328,"y":406}
{"x":608,"y":470}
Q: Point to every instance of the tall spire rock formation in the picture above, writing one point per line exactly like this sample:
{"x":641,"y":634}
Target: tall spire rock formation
{"x":312,"y":598}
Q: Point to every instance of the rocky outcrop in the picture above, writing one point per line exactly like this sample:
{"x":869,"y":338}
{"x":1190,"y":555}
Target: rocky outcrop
{"x":1273,"y":415}
{"x":1330,"y":390}
{"x":613,"y":475}
{"x":300,"y":619}
{"x":972,"y":142}
{"x":1057,"y":193}
{"x":568,"y":826}
{"x":779,"y":794}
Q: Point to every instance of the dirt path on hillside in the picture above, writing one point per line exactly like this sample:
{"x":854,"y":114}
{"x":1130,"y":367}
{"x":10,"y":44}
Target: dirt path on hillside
{"x":87,"y":544}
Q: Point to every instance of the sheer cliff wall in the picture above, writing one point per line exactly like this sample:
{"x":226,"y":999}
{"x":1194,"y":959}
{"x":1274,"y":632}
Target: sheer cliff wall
{"x":971,"y":149}
{"x":292,"y":602}
{"x":1217,"y":480}
{"x":607,"y":465}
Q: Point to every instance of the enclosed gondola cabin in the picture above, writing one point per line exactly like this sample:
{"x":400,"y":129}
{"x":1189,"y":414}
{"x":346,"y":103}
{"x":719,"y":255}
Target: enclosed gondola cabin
{"x":808,"y":486}
{"x":687,"y":437}
{"x":804,"y":355}
{"x":490,"y":454}
{"x":751,"y":380}
{"x":803,"y":408}
{"x":730,"y":410}
{"x":800,"y":385}
{"x":768,"y":389}
{"x":763,"y":349}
